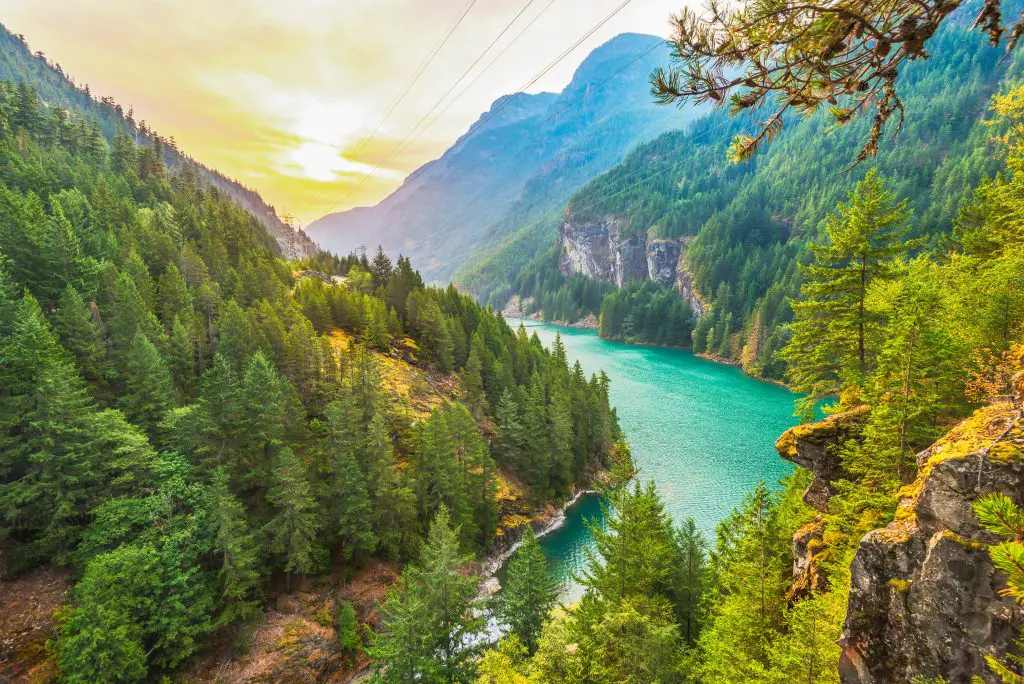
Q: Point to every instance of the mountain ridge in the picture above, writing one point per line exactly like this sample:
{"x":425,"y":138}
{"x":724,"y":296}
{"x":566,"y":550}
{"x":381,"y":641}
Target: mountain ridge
{"x":536,"y":149}
{"x":19,"y":64}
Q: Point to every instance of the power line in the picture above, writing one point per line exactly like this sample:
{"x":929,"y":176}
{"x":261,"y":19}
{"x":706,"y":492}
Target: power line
{"x":416,"y":77}
{"x":543,"y":72}
{"x":611,"y":191}
{"x":416,"y":130}
{"x":590,"y":91}
{"x":493,"y":61}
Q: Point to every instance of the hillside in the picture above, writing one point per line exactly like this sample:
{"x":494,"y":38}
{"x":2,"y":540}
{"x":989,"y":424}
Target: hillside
{"x":520,"y":160}
{"x":729,"y":237}
{"x":56,"y":87}
{"x":188,"y":422}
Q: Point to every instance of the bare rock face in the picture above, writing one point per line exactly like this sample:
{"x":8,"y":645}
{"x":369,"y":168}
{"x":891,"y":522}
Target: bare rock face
{"x":815,"y":447}
{"x":662,"y":261}
{"x":686,"y":287}
{"x":602,"y":250}
{"x":925,"y":598}
{"x":630,"y":259}
{"x":587,"y":248}
{"x":808,"y":542}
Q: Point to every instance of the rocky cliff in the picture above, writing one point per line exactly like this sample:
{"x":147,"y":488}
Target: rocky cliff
{"x":604,"y":249}
{"x":925,"y":600}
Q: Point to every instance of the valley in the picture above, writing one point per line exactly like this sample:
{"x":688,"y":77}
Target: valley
{"x":234,"y":450}
{"x":703,"y":432}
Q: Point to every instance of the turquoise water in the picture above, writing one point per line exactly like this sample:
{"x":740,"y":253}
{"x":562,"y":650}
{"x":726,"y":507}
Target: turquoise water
{"x":704,"y":432}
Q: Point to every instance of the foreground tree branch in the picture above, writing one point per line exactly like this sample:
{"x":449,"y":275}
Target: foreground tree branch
{"x":789,"y":54}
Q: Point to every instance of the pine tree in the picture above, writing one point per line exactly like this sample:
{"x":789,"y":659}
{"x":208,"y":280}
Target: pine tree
{"x":508,"y":449}
{"x":349,"y":641}
{"x":829,"y":349}
{"x":148,"y":392}
{"x":688,"y":580}
{"x":381,"y":268}
{"x":293,"y":530}
{"x":428,"y":628}
{"x":634,"y":553}
{"x":352,"y":513}
{"x":236,"y":546}
{"x":529,"y":593}
{"x":81,"y":335}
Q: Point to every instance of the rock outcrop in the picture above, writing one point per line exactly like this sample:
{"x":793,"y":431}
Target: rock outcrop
{"x":816,"y":447}
{"x":925,"y":600}
{"x":662,"y":261}
{"x":599,"y":249}
{"x":687,"y":288}
{"x":603,"y":250}
{"x":925,"y":597}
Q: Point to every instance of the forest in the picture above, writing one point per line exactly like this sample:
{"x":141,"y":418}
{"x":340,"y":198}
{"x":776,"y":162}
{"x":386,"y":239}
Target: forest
{"x":747,"y":225}
{"x":192,"y":426}
{"x":188,"y":421}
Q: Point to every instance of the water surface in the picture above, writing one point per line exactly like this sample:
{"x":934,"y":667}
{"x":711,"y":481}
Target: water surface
{"x":703,"y":431}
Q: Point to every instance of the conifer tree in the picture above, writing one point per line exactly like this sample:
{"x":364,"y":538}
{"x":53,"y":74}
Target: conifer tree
{"x":529,"y":593}
{"x":148,"y":392}
{"x":349,"y":641}
{"x":352,"y":512}
{"x":293,"y":530}
{"x":508,"y":447}
{"x":429,"y":630}
{"x":81,"y":335}
{"x":830,"y":345}
{"x":688,"y":580}
{"x":236,"y":546}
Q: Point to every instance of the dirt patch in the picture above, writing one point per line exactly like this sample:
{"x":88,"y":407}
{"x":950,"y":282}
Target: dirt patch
{"x":297,"y":640}
{"x":27,"y":606}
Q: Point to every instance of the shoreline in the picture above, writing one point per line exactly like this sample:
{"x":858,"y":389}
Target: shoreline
{"x":489,"y":567}
{"x":714,"y":358}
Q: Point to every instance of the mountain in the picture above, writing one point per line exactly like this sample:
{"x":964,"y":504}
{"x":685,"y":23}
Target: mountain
{"x":522,"y":158}
{"x":729,"y":237}
{"x":55,"y":87}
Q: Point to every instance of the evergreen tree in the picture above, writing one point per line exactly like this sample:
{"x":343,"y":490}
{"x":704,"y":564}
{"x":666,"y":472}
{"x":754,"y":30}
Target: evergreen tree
{"x":349,"y":641}
{"x":148,"y":391}
{"x":428,"y":626}
{"x":237,"y":548}
{"x":688,"y":580}
{"x":529,"y":593}
{"x":292,"y":532}
{"x":829,"y":349}
{"x":352,"y":512}
{"x":81,"y":335}
{"x":381,"y":268}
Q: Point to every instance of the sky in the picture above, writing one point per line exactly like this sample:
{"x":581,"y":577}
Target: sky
{"x":289,"y":96}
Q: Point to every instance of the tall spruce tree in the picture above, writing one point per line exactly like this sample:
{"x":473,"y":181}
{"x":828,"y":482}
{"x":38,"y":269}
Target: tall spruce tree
{"x":429,"y":631}
{"x":830,"y":349}
{"x":529,"y":592}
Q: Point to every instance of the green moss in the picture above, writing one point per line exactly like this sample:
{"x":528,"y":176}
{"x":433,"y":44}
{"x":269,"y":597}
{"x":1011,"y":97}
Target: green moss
{"x":900,"y":585}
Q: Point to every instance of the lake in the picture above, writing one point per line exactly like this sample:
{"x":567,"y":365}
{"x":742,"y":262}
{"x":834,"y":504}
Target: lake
{"x":703,"y":431}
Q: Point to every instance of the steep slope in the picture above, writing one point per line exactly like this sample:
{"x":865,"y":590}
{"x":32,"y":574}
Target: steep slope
{"x":55,"y":87}
{"x":741,"y":228}
{"x":515,"y":165}
{"x":925,"y":600}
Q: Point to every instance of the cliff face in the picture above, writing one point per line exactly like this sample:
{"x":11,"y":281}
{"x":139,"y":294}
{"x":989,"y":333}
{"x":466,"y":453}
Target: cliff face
{"x":602,"y":250}
{"x":925,"y":597}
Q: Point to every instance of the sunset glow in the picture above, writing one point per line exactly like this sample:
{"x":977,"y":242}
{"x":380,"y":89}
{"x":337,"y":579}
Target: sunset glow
{"x":283,"y":94}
